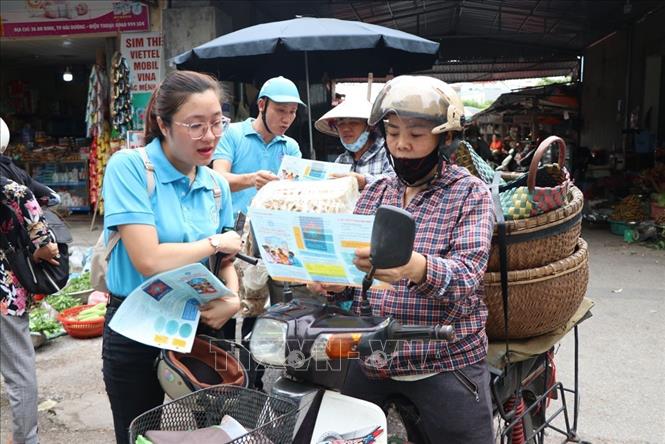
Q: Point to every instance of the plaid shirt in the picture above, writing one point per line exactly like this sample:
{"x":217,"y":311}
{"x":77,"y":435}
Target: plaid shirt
{"x":373,"y":163}
{"x":454,"y":221}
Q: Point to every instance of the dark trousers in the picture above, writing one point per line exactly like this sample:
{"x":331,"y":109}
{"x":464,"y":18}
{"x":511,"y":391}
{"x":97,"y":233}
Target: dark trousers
{"x":130,"y":378}
{"x":442,"y":409}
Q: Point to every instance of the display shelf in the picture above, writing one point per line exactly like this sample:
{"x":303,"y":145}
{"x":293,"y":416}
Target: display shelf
{"x":69,"y":178}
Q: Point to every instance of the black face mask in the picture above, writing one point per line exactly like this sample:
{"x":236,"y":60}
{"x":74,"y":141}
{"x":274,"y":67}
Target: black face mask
{"x":412,"y":171}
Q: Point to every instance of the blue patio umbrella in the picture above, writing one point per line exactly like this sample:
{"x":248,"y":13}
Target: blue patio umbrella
{"x":305,"y":47}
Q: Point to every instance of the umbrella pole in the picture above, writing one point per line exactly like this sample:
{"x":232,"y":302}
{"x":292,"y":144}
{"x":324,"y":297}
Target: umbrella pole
{"x":309,"y":111}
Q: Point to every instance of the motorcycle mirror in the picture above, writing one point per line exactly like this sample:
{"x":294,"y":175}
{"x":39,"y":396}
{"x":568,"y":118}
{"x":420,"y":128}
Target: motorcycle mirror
{"x":393,"y":234}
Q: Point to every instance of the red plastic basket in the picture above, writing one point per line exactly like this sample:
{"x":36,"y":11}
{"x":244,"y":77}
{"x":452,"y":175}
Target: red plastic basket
{"x":80,"y":329}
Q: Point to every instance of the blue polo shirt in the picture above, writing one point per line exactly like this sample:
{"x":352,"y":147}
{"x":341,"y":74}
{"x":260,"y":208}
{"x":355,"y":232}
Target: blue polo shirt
{"x":246,"y":151}
{"x":180,"y":212}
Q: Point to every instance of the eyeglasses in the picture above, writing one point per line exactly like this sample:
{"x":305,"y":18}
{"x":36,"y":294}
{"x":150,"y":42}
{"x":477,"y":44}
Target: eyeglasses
{"x":198,"y":130}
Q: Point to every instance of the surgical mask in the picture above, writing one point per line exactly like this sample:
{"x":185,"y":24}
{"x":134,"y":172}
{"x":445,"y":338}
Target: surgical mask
{"x":358,"y":144}
{"x":412,"y":171}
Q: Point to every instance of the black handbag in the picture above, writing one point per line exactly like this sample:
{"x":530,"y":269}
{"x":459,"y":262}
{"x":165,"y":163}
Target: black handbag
{"x":36,"y":278}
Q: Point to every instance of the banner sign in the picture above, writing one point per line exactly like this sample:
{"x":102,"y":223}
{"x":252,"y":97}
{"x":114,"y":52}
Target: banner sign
{"x":32,"y":18}
{"x":143,"y":52}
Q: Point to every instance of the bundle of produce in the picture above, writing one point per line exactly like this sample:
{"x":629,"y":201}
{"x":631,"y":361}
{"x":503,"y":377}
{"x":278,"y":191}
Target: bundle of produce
{"x":84,"y":321}
{"x":654,"y":178}
{"x":93,"y":313}
{"x":630,"y":209}
{"x":62,"y":301}
{"x":41,"y":321}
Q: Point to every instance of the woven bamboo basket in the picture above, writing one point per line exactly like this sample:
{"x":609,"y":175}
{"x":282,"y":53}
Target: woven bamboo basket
{"x":539,"y":299}
{"x":540,"y":240}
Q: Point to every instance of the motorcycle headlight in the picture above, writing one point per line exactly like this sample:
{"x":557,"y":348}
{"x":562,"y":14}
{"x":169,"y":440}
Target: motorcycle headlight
{"x":268,"y":342}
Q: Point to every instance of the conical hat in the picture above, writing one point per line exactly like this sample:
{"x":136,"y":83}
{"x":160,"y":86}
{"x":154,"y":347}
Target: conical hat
{"x":348,"y":109}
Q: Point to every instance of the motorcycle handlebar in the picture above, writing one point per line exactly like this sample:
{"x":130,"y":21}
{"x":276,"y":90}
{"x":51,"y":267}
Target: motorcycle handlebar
{"x":250,"y":260}
{"x":411,"y":332}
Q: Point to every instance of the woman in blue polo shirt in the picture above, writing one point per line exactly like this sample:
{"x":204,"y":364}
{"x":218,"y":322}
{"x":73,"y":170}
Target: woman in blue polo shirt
{"x":173,"y":224}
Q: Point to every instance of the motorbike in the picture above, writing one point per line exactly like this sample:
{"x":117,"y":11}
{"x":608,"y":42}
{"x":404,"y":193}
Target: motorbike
{"x":313,"y":343}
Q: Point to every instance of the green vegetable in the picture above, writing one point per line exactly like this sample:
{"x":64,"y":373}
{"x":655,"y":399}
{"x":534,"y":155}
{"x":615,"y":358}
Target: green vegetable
{"x":659,"y":199}
{"x":77,"y":284}
{"x":94,"y":312}
{"x":41,"y":322}
{"x":61,"y":302}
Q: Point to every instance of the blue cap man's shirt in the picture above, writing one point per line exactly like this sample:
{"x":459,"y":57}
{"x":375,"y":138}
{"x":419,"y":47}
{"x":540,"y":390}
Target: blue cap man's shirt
{"x":242,"y":146}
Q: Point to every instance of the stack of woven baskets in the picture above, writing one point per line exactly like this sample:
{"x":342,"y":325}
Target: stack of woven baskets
{"x":547,"y":267}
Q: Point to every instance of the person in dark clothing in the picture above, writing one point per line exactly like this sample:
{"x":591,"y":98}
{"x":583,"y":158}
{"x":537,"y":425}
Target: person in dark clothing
{"x":17,"y":355}
{"x":480,"y":146}
{"x":44,"y":195}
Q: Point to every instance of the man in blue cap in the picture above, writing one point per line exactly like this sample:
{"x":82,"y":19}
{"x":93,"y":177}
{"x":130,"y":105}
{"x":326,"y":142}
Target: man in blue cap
{"x":249,"y":153}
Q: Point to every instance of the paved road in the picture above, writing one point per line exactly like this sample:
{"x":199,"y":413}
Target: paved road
{"x":622,"y":347}
{"x":622,"y":358}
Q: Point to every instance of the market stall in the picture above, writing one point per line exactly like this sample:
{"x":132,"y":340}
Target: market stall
{"x":45,"y":113}
{"x":626,"y":199}
{"x":67,"y":90}
{"x":523,"y":117}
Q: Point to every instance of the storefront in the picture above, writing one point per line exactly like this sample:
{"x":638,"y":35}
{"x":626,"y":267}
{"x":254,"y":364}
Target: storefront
{"x":523,"y":117}
{"x":75,"y":80}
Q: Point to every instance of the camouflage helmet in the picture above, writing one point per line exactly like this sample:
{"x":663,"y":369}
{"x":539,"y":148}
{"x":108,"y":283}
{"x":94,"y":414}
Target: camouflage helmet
{"x":420,"y":97}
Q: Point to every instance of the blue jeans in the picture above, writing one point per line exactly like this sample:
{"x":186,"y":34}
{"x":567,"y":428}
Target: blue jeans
{"x":130,"y":378}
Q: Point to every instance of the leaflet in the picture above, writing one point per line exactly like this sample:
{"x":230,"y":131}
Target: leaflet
{"x":311,"y":247}
{"x":295,"y":168}
{"x":164,"y":311}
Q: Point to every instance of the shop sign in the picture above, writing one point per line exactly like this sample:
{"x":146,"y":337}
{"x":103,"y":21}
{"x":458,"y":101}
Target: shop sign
{"x":32,"y":18}
{"x":143,"y":52}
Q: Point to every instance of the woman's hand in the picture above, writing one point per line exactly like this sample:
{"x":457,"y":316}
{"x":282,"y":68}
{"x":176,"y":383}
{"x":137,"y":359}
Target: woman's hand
{"x":323,"y":289}
{"x":217,"y":312}
{"x":415,"y":270}
{"x":230,"y":243}
{"x":48,"y":253}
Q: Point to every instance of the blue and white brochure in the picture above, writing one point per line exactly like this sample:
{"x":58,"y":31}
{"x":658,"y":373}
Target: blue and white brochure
{"x":164,"y":311}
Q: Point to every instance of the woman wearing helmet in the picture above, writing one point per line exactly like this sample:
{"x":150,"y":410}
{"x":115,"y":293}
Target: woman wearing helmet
{"x":446,"y":382}
{"x":363,"y":144}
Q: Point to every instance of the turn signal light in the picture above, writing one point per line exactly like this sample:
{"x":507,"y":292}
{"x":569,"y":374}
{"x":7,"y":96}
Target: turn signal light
{"x":343,"y":346}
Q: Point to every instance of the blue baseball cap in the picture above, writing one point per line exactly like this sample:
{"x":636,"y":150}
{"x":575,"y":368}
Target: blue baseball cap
{"x":280,"y":90}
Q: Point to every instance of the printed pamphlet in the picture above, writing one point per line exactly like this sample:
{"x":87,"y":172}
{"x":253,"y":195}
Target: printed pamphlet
{"x":311,"y":247}
{"x":295,"y":168}
{"x":164,"y":310}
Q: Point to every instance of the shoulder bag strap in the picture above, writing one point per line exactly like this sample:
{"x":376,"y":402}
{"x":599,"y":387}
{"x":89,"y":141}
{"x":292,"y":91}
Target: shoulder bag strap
{"x":150,"y":179}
